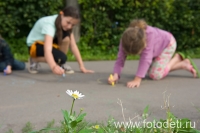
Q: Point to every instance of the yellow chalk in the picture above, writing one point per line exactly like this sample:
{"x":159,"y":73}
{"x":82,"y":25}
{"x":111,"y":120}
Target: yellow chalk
{"x":111,"y":78}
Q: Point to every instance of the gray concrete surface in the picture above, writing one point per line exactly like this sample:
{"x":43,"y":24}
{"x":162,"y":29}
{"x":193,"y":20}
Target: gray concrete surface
{"x":39,"y":98}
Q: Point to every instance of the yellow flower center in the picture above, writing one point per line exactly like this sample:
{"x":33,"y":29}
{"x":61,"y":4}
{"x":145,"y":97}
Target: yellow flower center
{"x":96,"y":126}
{"x":75,"y":96}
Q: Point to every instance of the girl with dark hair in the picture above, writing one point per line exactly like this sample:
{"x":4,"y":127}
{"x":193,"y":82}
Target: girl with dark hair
{"x":50,"y":39}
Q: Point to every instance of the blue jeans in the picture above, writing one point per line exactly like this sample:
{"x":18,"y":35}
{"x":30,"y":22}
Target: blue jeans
{"x":17,"y":65}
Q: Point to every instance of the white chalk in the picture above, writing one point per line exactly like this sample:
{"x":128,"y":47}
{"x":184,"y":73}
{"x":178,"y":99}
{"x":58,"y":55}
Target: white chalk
{"x":63,"y":73}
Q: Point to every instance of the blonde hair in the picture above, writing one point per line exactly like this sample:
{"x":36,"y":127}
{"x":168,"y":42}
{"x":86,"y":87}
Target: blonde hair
{"x":138,"y":23}
{"x":133,"y":38}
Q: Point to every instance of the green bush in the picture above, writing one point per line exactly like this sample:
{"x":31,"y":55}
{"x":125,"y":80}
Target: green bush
{"x":185,"y":23}
{"x":18,"y":16}
{"x":104,"y":21}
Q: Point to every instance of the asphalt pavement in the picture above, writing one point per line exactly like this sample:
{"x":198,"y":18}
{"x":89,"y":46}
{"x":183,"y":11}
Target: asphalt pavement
{"x":39,"y":98}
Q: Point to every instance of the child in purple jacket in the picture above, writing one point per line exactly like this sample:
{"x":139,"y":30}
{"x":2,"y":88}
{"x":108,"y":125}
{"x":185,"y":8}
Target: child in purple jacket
{"x":156,"y":48}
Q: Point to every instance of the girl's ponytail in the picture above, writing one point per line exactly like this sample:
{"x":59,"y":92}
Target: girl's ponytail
{"x":140,"y":23}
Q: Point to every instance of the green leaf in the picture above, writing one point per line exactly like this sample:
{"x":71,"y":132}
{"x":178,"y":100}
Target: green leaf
{"x":145,"y":112}
{"x":73,"y":124}
{"x":66,"y":116}
{"x":80,"y":117}
{"x":46,"y":129}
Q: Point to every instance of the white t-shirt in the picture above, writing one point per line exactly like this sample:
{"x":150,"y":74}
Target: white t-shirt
{"x":44,"y":26}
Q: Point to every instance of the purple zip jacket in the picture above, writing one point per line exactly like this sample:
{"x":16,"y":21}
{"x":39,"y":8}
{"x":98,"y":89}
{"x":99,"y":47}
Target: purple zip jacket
{"x":156,"y":41}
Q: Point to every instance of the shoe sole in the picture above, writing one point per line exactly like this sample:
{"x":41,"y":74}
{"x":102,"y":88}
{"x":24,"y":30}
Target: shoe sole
{"x":32,"y":72}
{"x":69,"y":72}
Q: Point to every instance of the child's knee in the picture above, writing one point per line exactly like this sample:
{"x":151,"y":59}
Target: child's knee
{"x":61,"y":59}
{"x":155,"y":76}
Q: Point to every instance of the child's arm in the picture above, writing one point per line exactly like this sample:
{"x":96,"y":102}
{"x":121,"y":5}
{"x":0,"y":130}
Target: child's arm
{"x":145,"y":61}
{"x":49,"y":56}
{"x":77,"y":54}
{"x":144,"y":64}
{"x":7,"y":55}
{"x":119,"y":64}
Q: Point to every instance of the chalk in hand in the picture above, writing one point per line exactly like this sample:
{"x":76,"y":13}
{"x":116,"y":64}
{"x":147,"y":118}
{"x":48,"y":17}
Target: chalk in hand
{"x":111,"y":78}
{"x":63,"y":73}
{"x":59,"y":60}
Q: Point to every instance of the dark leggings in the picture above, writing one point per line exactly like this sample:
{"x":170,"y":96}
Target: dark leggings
{"x":58,"y":55}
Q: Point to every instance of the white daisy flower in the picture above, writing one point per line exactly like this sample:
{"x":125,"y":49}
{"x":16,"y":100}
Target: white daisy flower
{"x":76,"y":94}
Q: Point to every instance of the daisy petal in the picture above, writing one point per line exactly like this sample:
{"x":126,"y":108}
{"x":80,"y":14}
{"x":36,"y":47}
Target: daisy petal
{"x":76,"y":94}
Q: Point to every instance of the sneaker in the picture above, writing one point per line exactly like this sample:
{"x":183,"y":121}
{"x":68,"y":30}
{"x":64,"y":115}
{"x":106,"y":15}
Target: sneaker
{"x":32,"y":66}
{"x":67,"y":69}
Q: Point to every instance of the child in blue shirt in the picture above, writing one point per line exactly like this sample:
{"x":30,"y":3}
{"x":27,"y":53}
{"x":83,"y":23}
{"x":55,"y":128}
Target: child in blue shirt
{"x":7,"y":61}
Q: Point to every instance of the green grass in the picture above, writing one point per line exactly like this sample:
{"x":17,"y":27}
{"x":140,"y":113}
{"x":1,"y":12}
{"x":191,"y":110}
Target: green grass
{"x":109,"y":127}
{"x":28,"y":127}
{"x":87,"y":56}
{"x":195,"y":53}
{"x":10,"y":131}
{"x":99,"y":57}
{"x":20,"y":52}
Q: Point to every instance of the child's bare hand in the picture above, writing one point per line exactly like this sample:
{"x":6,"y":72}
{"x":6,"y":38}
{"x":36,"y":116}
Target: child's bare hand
{"x":134,"y":83}
{"x":58,"y":70}
{"x":8,"y":70}
{"x":86,"y":71}
{"x":115,"y":79}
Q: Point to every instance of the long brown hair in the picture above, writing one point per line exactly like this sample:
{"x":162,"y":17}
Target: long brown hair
{"x":133,"y":38}
{"x":67,"y":12}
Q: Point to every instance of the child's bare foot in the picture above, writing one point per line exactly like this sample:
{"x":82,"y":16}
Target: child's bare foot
{"x":187,"y":66}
